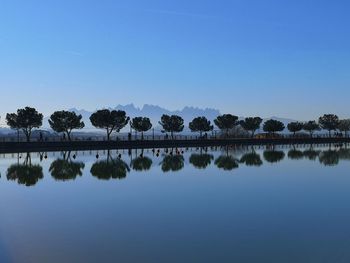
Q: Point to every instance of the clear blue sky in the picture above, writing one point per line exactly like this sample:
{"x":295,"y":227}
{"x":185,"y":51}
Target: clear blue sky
{"x":247,"y":57}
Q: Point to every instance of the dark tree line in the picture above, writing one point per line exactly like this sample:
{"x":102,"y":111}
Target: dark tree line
{"x":28,"y":119}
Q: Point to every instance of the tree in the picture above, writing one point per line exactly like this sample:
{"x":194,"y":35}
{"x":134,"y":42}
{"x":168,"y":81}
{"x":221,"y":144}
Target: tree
{"x":200,"y":124}
{"x":273,"y":126}
{"x":109,"y":120}
{"x":141,"y":124}
{"x":65,"y":121}
{"x":226,"y":122}
{"x":295,"y":127}
{"x":26,"y":120}
{"x":344,"y":126}
{"x":251,"y":124}
{"x":172,"y":124}
{"x":311,"y":127}
{"x":329,"y":122}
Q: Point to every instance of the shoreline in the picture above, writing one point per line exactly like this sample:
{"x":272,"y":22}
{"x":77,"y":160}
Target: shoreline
{"x":15,"y":147}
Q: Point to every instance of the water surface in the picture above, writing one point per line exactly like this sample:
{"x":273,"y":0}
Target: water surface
{"x":260,"y":204}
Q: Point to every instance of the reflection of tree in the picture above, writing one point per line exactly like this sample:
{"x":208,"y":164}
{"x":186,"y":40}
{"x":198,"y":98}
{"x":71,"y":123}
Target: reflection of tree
{"x":26,"y":173}
{"x":344,"y":154}
{"x":141,"y":163}
{"x":311,"y":154}
{"x":329,"y":158}
{"x":172,"y":163}
{"x":62,"y":169}
{"x":201,"y":161}
{"x":251,"y":159}
{"x":295,"y":154}
{"x":272,"y":156}
{"x":110,"y":168}
{"x":227,"y":163}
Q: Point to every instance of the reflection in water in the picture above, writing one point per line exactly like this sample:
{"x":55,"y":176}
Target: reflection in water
{"x":311,"y":154}
{"x":201,"y":161}
{"x":344,"y":154}
{"x":141,"y":163}
{"x":172,"y":163}
{"x":273,"y":156}
{"x":329,"y":158}
{"x":65,"y":169}
{"x":110,"y":168}
{"x":26,"y":173}
{"x":226,"y":162}
{"x":295,"y":154}
{"x":251,"y":159}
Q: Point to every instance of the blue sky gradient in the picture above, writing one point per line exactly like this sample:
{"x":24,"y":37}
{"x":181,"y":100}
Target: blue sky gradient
{"x":246,"y":57}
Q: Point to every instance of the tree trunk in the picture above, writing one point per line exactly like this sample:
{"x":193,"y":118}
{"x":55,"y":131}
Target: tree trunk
{"x":27,"y":134}
{"x":68,"y":136}
{"x":142,"y":136}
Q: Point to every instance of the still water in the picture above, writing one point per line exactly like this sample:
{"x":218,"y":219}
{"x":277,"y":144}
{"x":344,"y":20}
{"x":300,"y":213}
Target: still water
{"x":255,"y":204}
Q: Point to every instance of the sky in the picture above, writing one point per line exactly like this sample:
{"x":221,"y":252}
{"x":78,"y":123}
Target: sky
{"x":245,"y":57}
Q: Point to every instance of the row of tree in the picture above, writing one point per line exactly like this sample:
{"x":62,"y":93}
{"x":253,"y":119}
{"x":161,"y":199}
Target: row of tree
{"x":28,"y":118}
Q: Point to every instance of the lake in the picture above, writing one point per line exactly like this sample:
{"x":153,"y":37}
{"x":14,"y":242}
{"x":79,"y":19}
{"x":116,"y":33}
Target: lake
{"x":251,"y":204}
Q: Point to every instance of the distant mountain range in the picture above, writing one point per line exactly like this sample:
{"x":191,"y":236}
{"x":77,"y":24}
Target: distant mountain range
{"x":153,"y":112}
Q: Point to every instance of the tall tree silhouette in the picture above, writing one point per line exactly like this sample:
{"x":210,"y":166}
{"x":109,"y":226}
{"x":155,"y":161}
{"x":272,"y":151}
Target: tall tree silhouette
{"x":109,"y":120}
{"x":141,"y":124}
{"x":329,"y":122}
{"x":66,"y":121}
{"x":295,"y":127}
{"x":251,"y":124}
{"x":273,"y":126}
{"x":311,"y":127}
{"x":344,"y":126}
{"x":172,"y":124}
{"x":226,"y":122}
{"x":200,"y":124}
{"x":26,"y":120}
